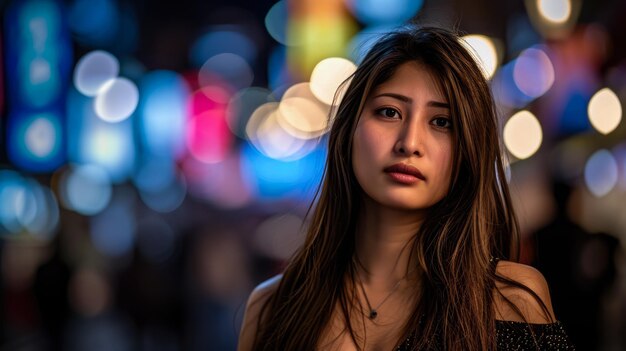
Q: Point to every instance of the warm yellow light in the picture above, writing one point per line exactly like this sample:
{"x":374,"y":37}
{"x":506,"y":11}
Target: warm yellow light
{"x":522,"y":134}
{"x":484,"y":50}
{"x":301,"y":117}
{"x":605,"y":111}
{"x":275,"y":142}
{"x":555,"y":11}
{"x":268,"y":136}
{"x":301,"y":113}
{"x":327,"y":77}
{"x":257,"y":118}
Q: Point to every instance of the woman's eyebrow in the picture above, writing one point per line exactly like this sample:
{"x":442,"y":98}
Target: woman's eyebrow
{"x":408,"y":100}
{"x":439,"y":104}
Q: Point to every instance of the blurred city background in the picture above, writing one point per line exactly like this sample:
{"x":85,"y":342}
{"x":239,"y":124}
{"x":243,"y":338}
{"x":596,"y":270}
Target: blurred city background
{"x":158,"y":157}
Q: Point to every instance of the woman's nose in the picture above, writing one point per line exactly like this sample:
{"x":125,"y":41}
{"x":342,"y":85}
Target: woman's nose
{"x":410,"y":140}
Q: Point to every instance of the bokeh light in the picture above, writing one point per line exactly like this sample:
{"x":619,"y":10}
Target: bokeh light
{"x":505,"y":90}
{"x":554,"y":19}
{"x":39,"y":21}
{"x":523,"y":134}
{"x":230,"y":68}
{"x":301,"y":117}
{"x":324,"y":33}
{"x":384,"y":11}
{"x":41,"y":137}
{"x":273,"y":179}
{"x":208,"y":137}
{"x":260,"y":114}
{"x":91,"y":140}
{"x":27,"y":207}
{"x":94,"y":70}
{"x":110,"y":146}
{"x":35,"y":142}
{"x":43,"y":83}
{"x":163,"y":111}
{"x":301,"y":114}
{"x":12,"y":201}
{"x":601,"y":173}
{"x":555,"y":11}
{"x":217,"y":92}
{"x":533,"y":72}
{"x":117,"y":100}
{"x":274,"y":141}
{"x":327,"y":77}
{"x":85,"y":189}
{"x":242,"y":105}
{"x":38,"y":53}
{"x":605,"y":111}
{"x":276,"y":22}
{"x":484,"y":51}
{"x":267,"y":135}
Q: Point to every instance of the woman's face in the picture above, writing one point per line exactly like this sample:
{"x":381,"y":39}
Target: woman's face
{"x":402,"y":146}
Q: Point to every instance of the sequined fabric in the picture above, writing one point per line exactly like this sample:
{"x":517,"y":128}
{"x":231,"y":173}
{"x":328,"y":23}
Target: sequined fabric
{"x":521,"y":336}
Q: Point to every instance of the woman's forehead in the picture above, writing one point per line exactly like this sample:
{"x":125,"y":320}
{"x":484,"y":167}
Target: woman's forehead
{"x":409,"y":76}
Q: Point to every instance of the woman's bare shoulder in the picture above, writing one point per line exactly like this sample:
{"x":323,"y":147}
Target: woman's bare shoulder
{"x":523,"y":300}
{"x":256,"y":301}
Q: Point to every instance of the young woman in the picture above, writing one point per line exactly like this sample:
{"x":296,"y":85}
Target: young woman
{"x":407,"y":242}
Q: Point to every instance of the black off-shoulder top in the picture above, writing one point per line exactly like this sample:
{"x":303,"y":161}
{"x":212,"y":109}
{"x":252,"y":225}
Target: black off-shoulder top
{"x":522,"y":336}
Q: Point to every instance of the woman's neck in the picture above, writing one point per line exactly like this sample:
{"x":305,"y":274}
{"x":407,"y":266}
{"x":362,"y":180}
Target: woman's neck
{"x":383,"y":244}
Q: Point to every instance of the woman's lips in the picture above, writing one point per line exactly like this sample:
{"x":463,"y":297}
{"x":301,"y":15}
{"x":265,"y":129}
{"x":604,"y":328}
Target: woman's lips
{"x":404,"y":174}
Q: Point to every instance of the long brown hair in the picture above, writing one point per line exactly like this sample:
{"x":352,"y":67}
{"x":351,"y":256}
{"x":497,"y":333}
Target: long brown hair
{"x":453,"y":247}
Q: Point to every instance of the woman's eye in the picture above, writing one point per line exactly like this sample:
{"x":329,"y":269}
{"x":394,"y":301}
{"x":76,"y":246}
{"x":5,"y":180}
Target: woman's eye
{"x":442,"y":122}
{"x":388,"y":112}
